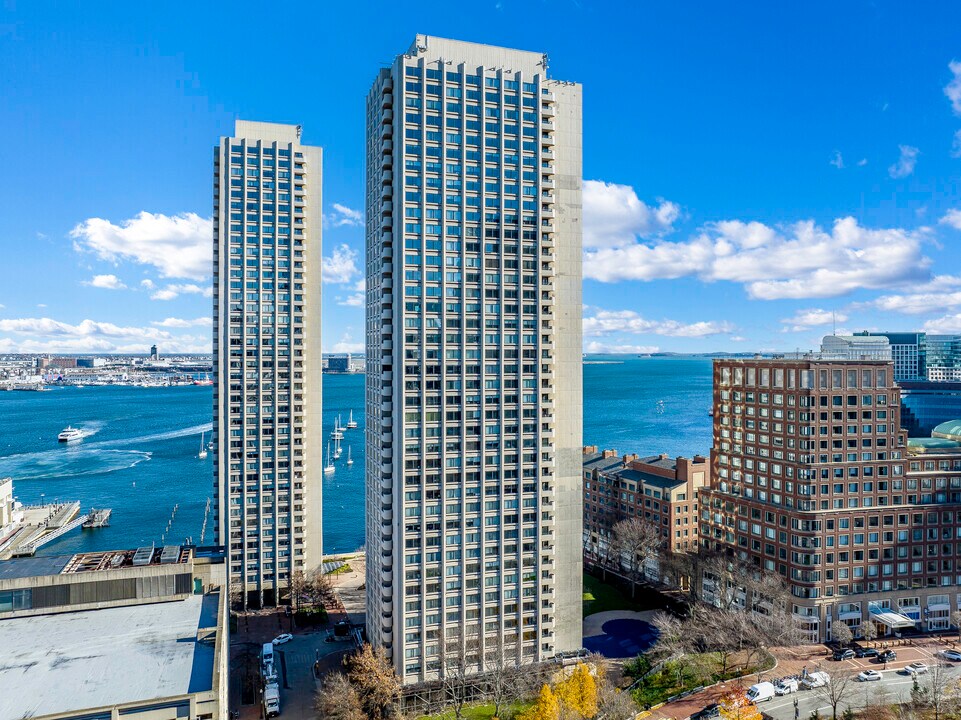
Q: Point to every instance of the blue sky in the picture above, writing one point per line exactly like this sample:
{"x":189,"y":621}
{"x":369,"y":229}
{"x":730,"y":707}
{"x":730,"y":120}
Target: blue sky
{"x":753,"y":171}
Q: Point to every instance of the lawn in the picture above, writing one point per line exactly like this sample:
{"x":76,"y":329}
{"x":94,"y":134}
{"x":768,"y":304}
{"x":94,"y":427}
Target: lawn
{"x":599,"y":597}
{"x":484,"y":711}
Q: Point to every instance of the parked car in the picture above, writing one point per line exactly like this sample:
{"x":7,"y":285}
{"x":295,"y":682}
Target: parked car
{"x":915,"y":668}
{"x":953,"y":655}
{"x":710,"y":712}
{"x":761,"y":692}
{"x":283,"y":638}
{"x":886,"y":656}
{"x":786,"y":686}
{"x":869,"y":675}
{"x":866,"y":653}
{"x":845,"y":654}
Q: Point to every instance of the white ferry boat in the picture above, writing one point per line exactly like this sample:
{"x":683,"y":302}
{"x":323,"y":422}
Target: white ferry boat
{"x":68,"y":434}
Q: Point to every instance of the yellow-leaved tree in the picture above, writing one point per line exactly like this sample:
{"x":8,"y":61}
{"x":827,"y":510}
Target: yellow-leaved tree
{"x":578,"y":692}
{"x":545,"y":707}
{"x":735,"y":706}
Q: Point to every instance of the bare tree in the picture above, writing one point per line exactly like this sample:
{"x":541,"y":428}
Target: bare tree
{"x":938,"y":692}
{"x":868,"y":630}
{"x":836,"y":690}
{"x":372,"y":676}
{"x":505,"y":681}
{"x":956,"y":621}
{"x":636,"y":542}
{"x":337,"y":699}
{"x":298,"y":582}
{"x":673,"y":642}
{"x":460,"y":662}
{"x":842,"y":633}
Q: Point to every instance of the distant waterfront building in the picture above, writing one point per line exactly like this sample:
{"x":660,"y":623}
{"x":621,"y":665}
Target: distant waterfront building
{"x":345,"y":363}
{"x":909,"y":352}
{"x":943,"y":358}
{"x":856,"y":347}
{"x":154,"y":353}
{"x":267,"y":357}
{"x":474,"y":349}
{"x":129,"y":634}
{"x":813,"y":478}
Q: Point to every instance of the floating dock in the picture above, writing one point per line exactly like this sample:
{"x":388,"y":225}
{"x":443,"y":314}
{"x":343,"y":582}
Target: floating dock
{"x":97,"y":518}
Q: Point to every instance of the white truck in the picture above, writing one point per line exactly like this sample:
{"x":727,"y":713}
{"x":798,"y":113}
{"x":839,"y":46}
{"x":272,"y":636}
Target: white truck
{"x":271,"y":700}
{"x":761,"y":692}
{"x":815,"y":680}
{"x":786,"y":686}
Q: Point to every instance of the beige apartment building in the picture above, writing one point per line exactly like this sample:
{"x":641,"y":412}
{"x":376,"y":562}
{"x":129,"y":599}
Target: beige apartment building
{"x":267,"y":357}
{"x":474,"y":358}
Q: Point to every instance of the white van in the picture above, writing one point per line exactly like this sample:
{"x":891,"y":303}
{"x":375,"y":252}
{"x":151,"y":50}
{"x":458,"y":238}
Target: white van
{"x":761,"y":692}
{"x":815,"y":680}
{"x":267,"y":655}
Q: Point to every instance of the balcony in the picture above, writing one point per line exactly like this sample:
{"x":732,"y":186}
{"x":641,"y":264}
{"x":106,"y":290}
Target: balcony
{"x":548,"y":109}
{"x":386,"y":177}
{"x":387,"y":147}
{"x":387,"y":132}
{"x":387,"y":100}
{"x":547,"y":139}
{"x":547,"y":152}
{"x":387,"y":208}
{"x":547,"y":211}
{"x":388,"y":117}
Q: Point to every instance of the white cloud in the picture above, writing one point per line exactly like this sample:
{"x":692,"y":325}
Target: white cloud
{"x":341,"y":266}
{"x":862,"y":162}
{"x":806,"y":319}
{"x":48,"y":335}
{"x":906,"y":162}
{"x":952,"y":218}
{"x":953,"y":88}
{"x":956,"y":145}
{"x":947,"y":325}
{"x":836,"y":160}
{"x":170,"y":292}
{"x":173,"y":322}
{"x":347,"y":345}
{"x":179,"y":246}
{"x":358,"y":297}
{"x":606,"y":322}
{"x":601,"y":348}
{"x":614,"y":216}
{"x":107,"y":282}
{"x":147,"y":284}
{"x":344,"y":216}
{"x":737,"y":338}
{"x":798,"y":261}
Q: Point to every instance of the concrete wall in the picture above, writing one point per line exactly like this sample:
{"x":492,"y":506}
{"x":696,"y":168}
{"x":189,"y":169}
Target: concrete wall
{"x":568,"y":376}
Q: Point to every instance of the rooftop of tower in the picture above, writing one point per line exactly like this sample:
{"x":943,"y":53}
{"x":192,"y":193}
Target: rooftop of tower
{"x":490,"y":56}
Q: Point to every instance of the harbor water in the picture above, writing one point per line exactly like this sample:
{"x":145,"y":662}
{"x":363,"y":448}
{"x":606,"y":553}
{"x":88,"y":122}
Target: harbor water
{"x":139,"y":455}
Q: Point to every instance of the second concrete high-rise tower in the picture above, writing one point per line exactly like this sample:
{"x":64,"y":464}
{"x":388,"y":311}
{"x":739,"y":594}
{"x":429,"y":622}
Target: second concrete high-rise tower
{"x":474,"y":359}
{"x":267,"y":358}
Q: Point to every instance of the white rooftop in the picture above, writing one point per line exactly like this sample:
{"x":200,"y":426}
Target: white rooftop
{"x":78,"y":660}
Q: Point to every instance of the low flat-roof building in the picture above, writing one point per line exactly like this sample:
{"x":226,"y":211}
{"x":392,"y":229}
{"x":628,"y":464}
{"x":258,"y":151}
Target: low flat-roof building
{"x":103,"y":635}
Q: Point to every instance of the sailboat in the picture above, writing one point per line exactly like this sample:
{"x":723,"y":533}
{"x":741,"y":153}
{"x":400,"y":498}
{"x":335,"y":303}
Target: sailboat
{"x":351,"y":423}
{"x":337,"y":434}
{"x":337,"y":450}
{"x":328,"y":466}
{"x":203,"y":448}
{"x":350,"y":460}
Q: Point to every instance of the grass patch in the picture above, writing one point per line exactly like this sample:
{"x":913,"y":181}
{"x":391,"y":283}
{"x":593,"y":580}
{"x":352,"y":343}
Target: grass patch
{"x":345,"y":568}
{"x":483,"y":711}
{"x":600,"y":597}
{"x":675,"y":678}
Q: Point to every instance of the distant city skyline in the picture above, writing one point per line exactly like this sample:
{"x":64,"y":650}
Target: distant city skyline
{"x":763,"y":187}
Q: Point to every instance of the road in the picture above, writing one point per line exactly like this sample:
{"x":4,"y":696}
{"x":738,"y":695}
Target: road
{"x":893,"y":687}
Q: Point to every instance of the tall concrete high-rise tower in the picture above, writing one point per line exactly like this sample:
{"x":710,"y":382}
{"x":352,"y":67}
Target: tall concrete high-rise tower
{"x":474,"y":359}
{"x":267,"y":357}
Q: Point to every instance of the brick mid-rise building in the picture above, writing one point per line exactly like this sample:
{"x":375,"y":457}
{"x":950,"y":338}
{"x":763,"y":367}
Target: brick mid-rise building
{"x":813,"y":478}
{"x":659,"y":489}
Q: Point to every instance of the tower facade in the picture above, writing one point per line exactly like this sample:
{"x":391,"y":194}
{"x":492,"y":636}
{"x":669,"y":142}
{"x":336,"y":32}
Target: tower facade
{"x":267,"y":357}
{"x":474,"y":504}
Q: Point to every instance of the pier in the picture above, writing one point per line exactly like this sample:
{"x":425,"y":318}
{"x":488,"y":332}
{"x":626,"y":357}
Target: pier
{"x":42,"y":524}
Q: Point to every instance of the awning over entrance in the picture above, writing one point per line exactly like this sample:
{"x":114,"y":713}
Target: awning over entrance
{"x":890,"y":618}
